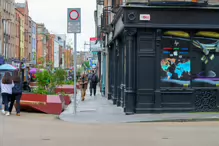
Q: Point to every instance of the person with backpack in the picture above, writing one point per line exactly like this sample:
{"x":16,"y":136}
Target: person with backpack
{"x":16,"y":93}
{"x":93,"y":83}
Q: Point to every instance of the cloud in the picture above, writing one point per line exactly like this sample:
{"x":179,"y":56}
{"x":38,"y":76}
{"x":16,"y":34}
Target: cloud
{"x":53,"y":13}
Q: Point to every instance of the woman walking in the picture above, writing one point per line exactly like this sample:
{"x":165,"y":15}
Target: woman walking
{"x":16,"y":93}
{"x":6,"y":90}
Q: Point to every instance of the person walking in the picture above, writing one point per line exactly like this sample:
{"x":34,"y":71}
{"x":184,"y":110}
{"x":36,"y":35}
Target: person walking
{"x":6,"y":91}
{"x":16,"y":94}
{"x":93,"y":83}
{"x":83,"y":82}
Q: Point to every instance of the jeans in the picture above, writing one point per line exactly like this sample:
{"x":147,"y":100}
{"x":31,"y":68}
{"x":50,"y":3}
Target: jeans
{"x":93,"y":86}
{"x":6,"y":98}
{"x":16,"y":97}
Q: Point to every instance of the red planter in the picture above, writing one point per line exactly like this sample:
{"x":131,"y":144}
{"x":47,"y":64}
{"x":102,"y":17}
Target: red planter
{"x":67,"y":99}
{"x":67,"y":89}
{"x":33,"y":83}
{"x":49,"y":104}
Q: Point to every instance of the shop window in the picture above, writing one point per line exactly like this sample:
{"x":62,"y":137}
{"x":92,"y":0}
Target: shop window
{"x":190,"y":62}
{"x":175,"y":60}
{"x":205,"y":50}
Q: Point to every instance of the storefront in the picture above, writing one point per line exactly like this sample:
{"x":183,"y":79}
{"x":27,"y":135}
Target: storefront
{"x":164,"y":59}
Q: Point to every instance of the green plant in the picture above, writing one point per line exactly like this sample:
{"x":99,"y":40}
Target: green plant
{"x":69,"y":82}
{"x":86,"y":64}
{"x":40,"y":90}
{"x":43,"y":78}
{"x":60,"y":77}
{"x":46,"y":83}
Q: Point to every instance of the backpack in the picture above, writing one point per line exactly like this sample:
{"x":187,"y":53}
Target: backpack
{"x":93,"y":78}
{"x":17,"y":88}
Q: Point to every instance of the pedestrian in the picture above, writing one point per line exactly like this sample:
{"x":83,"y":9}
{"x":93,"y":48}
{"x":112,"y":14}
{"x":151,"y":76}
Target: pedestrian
{"x":16,"y":93}
{"x":6,"y":91}
{"x":93,"y":83}
{"x":83,"y":82}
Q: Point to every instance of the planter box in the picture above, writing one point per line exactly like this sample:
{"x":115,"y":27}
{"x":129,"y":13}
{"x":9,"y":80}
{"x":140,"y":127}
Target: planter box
{"x":67,"y":89}
{"x":33,"y":83}
{"x":67,"y":99}
{"x":49,"y":104}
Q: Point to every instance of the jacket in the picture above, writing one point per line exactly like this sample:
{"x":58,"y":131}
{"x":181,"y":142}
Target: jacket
{"x":83,"y":81}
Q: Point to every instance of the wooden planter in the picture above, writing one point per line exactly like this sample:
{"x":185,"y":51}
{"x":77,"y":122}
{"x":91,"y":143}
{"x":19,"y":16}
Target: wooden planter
{"x":49,"y":104}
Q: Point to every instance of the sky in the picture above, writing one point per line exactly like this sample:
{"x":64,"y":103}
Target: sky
{"x":53,"y":13}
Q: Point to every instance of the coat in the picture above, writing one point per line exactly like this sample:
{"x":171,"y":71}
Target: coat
{"x":83,"y":84}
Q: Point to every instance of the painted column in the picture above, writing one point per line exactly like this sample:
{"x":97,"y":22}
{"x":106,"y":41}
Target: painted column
{"x":130,"y":92}
{"x":104,"y":74}
{"x":115,"y":77}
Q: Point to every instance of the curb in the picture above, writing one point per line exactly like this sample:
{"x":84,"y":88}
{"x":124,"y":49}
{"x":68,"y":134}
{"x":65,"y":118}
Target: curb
{"x":177,"y":120}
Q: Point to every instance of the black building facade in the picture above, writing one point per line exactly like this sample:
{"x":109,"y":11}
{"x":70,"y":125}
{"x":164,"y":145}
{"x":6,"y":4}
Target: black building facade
{"x":164,"y":59}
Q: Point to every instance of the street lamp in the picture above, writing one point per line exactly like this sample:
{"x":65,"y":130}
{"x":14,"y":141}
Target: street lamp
{"x":5,"y":40}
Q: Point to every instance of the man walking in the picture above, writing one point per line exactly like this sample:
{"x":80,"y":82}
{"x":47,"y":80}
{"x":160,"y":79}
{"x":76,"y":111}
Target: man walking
{"x":83,"y":81}
{"x":93,"y":83}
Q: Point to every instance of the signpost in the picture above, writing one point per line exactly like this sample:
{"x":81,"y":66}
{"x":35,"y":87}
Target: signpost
{"x":74,"y":26}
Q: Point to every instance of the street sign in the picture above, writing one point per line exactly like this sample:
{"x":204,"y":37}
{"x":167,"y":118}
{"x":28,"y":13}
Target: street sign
{"x":74,"y":20}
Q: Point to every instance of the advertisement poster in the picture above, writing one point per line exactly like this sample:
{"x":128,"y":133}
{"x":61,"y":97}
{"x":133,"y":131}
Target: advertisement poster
{"x":205,"y":47}
{"x":175,"y":62}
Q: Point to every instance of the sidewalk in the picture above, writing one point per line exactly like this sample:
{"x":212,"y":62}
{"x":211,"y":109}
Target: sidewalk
{"x":100,"y":110}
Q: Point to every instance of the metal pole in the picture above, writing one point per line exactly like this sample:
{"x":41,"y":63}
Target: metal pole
{"x":75,"y":68}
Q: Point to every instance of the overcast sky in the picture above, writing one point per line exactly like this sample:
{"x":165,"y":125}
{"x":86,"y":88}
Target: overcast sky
{"x":53,"y":13}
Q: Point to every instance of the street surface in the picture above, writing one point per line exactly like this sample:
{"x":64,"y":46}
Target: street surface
{"x":47,"y":130}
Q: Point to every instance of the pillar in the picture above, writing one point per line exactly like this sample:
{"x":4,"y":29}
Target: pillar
{"x":130,"y":87}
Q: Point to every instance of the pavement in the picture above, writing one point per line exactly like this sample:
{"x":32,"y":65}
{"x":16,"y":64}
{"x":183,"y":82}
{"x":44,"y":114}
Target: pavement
{"x":46,"y":130}
{"x":100,"y":110}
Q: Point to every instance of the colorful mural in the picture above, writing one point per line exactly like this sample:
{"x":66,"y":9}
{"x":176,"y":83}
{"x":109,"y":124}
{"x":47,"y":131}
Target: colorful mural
{"x":181,"y":53}
{"x":175,"y":62}
{"x":206,"y":45}
{"x":177,"y":71}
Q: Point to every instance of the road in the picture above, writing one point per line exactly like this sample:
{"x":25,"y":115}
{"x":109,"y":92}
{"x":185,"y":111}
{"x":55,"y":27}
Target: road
{"x":47,"y":130}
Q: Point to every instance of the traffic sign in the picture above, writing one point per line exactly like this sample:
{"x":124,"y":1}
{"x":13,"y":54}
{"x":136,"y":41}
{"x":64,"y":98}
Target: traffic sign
{"x":74,"y":20}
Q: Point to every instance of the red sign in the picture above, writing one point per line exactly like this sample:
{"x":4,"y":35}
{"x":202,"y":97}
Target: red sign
{"x":74,"y":15}
{"x":93,"y":39}
{"x":145,"y":17}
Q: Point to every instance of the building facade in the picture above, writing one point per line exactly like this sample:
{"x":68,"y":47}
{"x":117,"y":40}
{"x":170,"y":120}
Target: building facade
{"x":42,"y":37}
{"x":154,"y":64}
{"x":8,"y":29}
{"x":101,"y":6}
{"x":29,"y":33}
{"x":56,"y":53}
{"x":17,"y":35}
{"x":34,"y":42}
{"x":23,"y":8}
{"x":50,"y":46}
